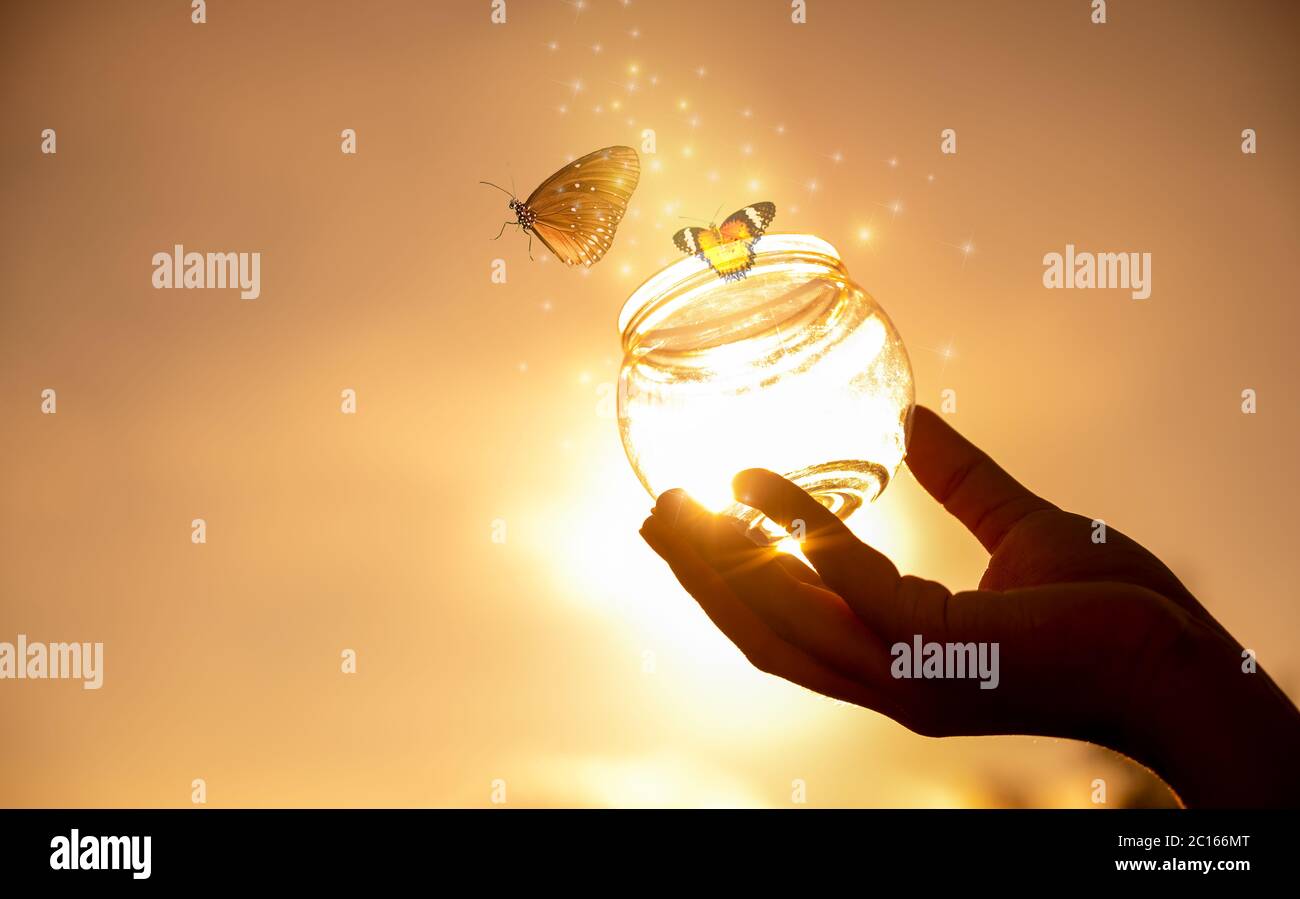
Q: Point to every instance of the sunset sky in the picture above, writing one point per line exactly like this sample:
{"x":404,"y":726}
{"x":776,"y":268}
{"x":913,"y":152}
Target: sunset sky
{"x":566,"y":660}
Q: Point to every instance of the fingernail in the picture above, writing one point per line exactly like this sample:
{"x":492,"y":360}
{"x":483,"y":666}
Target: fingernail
{"x":741,"y":485}
{"x":670,"y":503}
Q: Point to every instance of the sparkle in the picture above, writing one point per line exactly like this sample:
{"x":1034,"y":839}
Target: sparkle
{"x":701,"y":71}
{"x":546,"y":305}
{"x":967,"y":248}
{"x":687,"y":152}
{"x":747,"y":113}
{"x":574,"y":86}
{"x":811,"y":186}
{"x":656,"y":165}
{"x":682,"y":105}
{"x":595,"y":48}
{"x":747,"y":149}
{"x":755,"y":184}
{"x":654,"y":80}
{"x":633,"y":69}
{"x":522,"y":367}
{"x":635,"y":33}
{"x":893,"y":163}
{"x":694,"y":121}
{"x":713,"y":176}
{"x":578,"y":7}
{"x":864,"y":235}
{"x":929,"y":177}
{"x":553,"y":46}
{"x":629,"y":86}
{"x":780,"y":129}
{"x":837,"y":157}
{"x":947,"y":353}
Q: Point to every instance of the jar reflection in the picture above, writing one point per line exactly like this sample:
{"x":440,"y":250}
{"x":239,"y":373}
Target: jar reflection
{"x":794,"y":369}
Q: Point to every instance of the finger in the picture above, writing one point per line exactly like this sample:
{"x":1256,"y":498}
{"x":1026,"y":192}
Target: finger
{"x":967,"y":482}
{"x":726,"y":545}
{"x":797,"y":569}
{"x":718,"y":539}
{"x":793,"y":565}
{"x":813,"y":619}
{"x":709,"y":589}
{"x":763,"y":648}
{"x":864,"y":577}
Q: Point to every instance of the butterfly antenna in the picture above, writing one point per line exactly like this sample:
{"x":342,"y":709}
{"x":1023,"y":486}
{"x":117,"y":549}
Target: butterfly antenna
{"x":498,"y":187}
{"x":716,"y":211}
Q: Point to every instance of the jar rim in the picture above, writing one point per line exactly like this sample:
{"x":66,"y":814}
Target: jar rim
{"x":667,"y":281}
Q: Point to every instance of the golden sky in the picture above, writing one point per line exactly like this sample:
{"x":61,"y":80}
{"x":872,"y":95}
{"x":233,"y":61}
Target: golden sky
{"x":566,"y":661}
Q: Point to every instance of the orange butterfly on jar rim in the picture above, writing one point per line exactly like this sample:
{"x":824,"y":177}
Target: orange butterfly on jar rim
{"x":729,"y":248}
{"x":575,"y":211}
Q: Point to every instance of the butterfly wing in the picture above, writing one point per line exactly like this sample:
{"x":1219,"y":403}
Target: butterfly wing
{"x":729,"y":258}
{"x":567,"y":246}
{"x":730,"y":248}
{"x":579,"y":207}
{"x":748,"y":223}
{"x":688,"y":240}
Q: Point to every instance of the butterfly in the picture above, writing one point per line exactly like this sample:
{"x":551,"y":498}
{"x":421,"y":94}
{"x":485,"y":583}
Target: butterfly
{"x":728,"y":248}
{"x":575,"y":211}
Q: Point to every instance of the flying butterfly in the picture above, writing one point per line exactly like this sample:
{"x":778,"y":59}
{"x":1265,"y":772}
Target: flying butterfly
{"x":575,"y":211}
{"x":729,"y":247}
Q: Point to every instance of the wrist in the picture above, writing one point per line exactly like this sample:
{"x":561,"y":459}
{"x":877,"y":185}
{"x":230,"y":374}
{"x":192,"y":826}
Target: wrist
{"x":1214,"y":726}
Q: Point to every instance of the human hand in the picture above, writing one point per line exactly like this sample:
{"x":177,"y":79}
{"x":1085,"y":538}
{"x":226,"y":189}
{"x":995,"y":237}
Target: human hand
{"x":1095,"y":641}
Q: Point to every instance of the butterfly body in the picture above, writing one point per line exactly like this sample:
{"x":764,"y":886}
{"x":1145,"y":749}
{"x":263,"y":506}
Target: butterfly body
{"x":575,"y":212}
{"x":729,"y":248}
{"x":525,"y":216}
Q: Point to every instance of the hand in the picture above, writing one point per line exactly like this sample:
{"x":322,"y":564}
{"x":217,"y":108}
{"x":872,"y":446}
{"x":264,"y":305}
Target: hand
{"x":1095,"y":641}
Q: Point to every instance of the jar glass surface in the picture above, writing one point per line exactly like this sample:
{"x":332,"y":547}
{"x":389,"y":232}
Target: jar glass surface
{"x":793,"y":368}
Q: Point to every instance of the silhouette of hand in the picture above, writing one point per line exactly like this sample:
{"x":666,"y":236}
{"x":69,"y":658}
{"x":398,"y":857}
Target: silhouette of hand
{"x":1095,"y":641}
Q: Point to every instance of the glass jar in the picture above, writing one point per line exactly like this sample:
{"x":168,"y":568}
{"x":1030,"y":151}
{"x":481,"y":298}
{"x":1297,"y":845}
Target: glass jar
{"x":793,"y":368}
